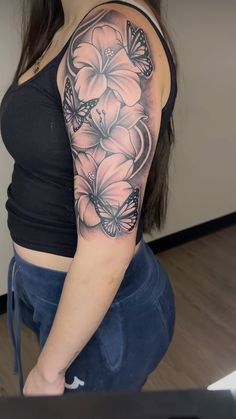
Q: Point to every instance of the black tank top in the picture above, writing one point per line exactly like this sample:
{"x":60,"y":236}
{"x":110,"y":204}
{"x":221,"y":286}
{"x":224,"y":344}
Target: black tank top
{"x":40,"y":200}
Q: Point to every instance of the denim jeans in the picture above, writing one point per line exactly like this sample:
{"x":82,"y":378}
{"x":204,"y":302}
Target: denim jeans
{"x":132,"y":338}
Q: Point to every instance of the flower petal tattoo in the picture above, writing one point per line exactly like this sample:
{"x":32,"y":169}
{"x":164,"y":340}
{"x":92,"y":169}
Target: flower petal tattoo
{"x":105,"y":100}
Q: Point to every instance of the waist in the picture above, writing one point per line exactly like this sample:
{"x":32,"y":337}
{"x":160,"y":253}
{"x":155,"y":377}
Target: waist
{"x":45,"y":259}
{"x":141,"y":269}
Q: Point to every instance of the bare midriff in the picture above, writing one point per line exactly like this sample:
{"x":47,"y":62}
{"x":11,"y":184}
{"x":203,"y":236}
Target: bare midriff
{"x":47,"y":260}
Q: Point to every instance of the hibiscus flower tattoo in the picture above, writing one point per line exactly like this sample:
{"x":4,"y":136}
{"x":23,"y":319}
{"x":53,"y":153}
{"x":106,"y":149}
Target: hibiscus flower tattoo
{"x":106,"y":115}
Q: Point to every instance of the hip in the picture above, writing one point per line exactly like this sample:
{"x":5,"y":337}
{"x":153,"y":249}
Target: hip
{"x":139,"y":322}
{"x":145,"y":292}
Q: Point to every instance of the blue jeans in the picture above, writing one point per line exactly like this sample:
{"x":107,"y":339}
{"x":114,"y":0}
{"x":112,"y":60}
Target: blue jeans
{"x":130,"y":341}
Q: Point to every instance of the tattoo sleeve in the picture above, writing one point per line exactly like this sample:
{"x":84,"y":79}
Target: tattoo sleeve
{"x":107,"y":83}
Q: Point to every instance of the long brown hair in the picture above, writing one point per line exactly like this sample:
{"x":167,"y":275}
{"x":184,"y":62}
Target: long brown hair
{"x":40,"y":20}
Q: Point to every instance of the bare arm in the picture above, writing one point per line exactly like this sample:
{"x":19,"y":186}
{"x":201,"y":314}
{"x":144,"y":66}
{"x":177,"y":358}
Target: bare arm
{"x":110,"y":88}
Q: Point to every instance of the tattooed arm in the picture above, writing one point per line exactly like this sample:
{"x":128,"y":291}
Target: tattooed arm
{"x":110,"y":89}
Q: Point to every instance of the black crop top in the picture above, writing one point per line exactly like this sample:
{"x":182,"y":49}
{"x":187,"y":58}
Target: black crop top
{"x":40,"y":200}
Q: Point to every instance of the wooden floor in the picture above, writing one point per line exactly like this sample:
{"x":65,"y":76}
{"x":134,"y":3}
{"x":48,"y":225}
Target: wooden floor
{"x":203,"y":350}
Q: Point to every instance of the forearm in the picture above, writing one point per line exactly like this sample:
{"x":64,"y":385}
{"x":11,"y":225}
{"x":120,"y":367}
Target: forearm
{"x":86,"y":296}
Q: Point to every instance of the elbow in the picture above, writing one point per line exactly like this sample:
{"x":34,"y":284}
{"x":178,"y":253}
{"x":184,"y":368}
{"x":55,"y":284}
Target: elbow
{"x":115,"y":264}
{"x":104,"y":259}
{"x":120,"y":262}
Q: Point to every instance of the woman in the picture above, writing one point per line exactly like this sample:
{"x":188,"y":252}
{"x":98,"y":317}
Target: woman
{"x":91,"y":100}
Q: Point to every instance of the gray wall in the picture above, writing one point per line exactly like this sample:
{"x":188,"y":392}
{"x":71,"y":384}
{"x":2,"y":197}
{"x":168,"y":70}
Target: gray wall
{"x":203,"y":170}
{"x":9,"y":54}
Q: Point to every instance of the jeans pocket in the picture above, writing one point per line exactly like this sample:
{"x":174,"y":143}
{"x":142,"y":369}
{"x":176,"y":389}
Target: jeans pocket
{"x":165,"y":304}
{"x":26,"y":314}
{"x":44,"y":313}
{"x":110,"y":335}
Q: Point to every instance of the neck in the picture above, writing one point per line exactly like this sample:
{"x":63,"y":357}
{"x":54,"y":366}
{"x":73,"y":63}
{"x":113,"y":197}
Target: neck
{"x":73,"y":8}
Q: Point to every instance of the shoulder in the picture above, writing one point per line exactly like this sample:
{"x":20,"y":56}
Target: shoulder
{"x":127,"y":25}
{"x":111,"y":91}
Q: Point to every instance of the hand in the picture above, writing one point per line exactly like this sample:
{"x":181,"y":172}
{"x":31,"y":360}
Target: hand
{"x":36,"y":384}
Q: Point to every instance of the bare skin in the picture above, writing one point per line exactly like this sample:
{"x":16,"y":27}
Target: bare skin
{"x":49,"y":260}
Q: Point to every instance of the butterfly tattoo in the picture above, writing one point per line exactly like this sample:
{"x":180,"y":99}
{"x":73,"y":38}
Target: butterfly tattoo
{"x":137,"y":49}
{"x":75,"y":111}
{"x":115,"y":220}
